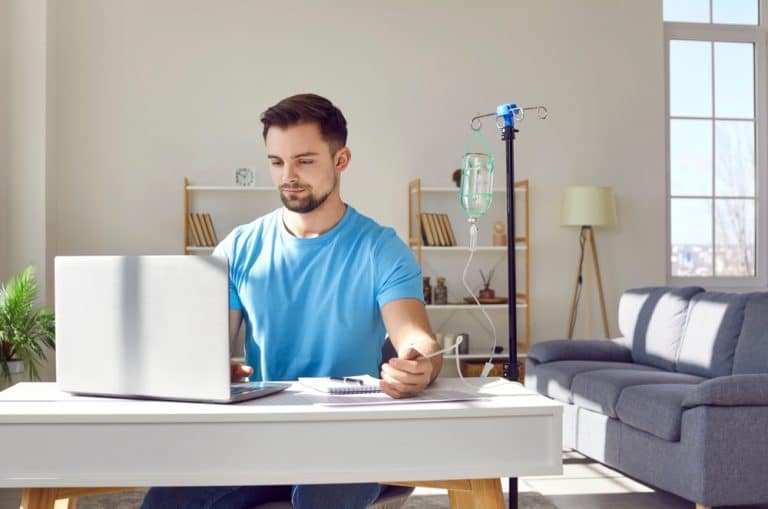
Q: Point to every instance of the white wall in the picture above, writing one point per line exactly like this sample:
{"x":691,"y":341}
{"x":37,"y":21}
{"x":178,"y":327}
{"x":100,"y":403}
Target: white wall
{"x":25,"y":192}
{"x":111,"y":103}
{"x":26,"y":195}
{"x":148,"y":92}
{"x":4,"y":76}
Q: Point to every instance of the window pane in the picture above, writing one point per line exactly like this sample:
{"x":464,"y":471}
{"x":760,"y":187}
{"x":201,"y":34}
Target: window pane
{"x":690,"y":78}
{"x":735,"y":238}
{"x":734,"y":80}
{"x":690,"y":154}
{"x":734,"y":158}
{"x":691,"y":227}
{"x":742,"y":12}
{"x":694,"y":11}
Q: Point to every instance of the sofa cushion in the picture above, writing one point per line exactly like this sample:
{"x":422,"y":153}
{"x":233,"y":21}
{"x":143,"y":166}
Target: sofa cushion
{"x":711,"y":332}
{"x":656,"y":409}
{"x":751,"y":355}
{"x":654,"y":319}
{"x":553,"y":379}
{"x":600,"y":390}
{"x":580,"y":350}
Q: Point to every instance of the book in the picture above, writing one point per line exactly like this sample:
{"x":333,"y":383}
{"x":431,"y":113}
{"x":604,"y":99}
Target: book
{"x":201,"y":227}
{"x":449,"y":229}
{"x":435,"y":231}
{"x":359,"y":384}
{"x":442,"y":233}
{"x":209,"y":227}
{"x":432,"y":231}
{"x":193,"y":228}
{"x":427,"y":230}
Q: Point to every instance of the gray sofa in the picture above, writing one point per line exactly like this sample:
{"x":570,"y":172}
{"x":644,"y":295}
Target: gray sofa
{"x":679,"y":402}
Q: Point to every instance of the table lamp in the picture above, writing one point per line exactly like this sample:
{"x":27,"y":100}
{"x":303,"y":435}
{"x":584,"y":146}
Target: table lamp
{"x":587,"y":206}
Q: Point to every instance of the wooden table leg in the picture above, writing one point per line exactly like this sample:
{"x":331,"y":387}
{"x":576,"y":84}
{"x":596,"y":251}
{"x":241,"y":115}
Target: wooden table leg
{"x":65,"y":503}
{"x":60,"y":498}
{"x":487,"y":494}
{"x":461,"y":500}
{"x":38,"y":498}
{"x":467,"y":493}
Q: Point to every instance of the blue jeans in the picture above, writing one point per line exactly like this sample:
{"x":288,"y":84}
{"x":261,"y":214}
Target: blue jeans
{"x":307,"y":496}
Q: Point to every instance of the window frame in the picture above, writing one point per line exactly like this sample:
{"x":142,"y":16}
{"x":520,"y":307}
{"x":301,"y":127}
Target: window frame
{"x":711,"y":32}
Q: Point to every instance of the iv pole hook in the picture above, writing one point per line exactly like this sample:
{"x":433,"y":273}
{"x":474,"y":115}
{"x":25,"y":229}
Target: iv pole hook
{"x":519,"y":114}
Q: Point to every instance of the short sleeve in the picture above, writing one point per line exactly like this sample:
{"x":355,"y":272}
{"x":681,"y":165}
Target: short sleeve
{"x":226,"y":249}
{"x":398,"y":275}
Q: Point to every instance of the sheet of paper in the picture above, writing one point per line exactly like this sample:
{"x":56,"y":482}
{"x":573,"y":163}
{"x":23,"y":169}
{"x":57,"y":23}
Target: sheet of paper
{"x":428,"y":396}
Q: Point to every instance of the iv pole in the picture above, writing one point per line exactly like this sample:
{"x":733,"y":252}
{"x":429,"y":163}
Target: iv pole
{"x":506,"y":114}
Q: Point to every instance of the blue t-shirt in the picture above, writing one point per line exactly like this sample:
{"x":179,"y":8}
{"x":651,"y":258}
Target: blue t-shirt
{"x":312,"y":306}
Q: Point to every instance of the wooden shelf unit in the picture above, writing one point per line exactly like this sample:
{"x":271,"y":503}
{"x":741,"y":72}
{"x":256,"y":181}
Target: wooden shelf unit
{"x":189,"y":190}
{"x":522,"y":249}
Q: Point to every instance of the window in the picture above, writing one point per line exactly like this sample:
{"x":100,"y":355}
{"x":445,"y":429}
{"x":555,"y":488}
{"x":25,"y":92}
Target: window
{"x":715,"y":56}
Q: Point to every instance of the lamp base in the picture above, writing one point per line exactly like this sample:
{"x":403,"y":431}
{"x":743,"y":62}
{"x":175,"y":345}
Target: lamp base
{"x":587,"y":243}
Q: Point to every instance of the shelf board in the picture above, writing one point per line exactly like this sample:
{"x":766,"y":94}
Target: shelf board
{"x":456,"y":190}
{"x":464,"y":249}
{"x":200,"y":248}
{"x":230,"y":188}
{"x":445,"y":307}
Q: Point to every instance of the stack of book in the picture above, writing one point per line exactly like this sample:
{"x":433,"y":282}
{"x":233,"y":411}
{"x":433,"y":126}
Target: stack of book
{"x":202,"y":230}
{"x":436,"y":230}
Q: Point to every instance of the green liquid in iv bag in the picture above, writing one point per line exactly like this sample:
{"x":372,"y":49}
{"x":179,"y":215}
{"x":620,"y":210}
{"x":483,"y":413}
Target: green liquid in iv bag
{"x":475,"y":204}
{"x":476,"y":187}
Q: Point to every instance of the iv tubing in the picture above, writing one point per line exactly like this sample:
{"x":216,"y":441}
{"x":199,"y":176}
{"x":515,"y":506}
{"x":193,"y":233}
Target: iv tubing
{"x":472,"y":246}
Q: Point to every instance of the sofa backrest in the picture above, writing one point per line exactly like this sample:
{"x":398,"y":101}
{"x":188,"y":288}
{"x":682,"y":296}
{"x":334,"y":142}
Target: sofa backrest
{"x":751,"y":354}
{"x":654,"y":320}
{"x":711,"y":333}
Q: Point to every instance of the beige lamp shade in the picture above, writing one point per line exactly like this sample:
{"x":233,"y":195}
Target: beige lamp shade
{"x":588,"y":206}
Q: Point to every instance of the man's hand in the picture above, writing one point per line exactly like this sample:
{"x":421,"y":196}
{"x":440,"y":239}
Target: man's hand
{"x":406,"y":375}
{"x":239,"y":372}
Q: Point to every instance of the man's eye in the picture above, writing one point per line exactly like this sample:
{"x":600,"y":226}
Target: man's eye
{"x":305,"y":161}
{"x":276,"y":163}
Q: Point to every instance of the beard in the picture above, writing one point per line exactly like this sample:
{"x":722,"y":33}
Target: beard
{"x":305,"y":205}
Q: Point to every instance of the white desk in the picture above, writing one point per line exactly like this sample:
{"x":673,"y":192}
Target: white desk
{"x":50,"y":439}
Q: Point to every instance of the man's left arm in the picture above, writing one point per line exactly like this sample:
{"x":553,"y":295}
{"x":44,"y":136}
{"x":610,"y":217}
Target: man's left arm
{"x":408,"y":326}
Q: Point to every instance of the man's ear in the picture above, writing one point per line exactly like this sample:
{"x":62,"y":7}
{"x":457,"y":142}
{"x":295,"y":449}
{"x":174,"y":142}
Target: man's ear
{"x":342,"y":158}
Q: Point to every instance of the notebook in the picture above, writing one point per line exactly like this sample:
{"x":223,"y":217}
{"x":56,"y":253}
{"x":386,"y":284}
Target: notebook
{"x":147,"y":327}
{"x":347,"y":385}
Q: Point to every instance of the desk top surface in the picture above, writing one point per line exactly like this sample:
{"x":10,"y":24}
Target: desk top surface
{"x":44,"y":403}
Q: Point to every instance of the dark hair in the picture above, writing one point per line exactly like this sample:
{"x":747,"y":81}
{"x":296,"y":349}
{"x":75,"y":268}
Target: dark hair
{"x":308,"y":108}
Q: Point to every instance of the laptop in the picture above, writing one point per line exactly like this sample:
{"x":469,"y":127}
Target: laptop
{"x":147,"y":327}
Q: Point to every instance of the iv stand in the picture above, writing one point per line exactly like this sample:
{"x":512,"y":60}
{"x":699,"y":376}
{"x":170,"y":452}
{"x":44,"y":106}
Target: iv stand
{"x":506,"y":114}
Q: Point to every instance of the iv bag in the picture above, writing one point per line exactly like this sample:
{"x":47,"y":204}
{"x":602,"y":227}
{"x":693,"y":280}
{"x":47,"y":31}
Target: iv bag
{"x":476,"y":188}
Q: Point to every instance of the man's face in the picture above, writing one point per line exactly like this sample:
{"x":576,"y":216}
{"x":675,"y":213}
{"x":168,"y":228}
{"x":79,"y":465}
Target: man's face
{"x":302,"y":166}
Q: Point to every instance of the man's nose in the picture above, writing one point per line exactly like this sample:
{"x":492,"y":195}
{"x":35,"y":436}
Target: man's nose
{"x":289,"y":173}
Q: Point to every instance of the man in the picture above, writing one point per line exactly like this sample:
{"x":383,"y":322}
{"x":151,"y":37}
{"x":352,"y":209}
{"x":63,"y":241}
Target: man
{"x":318,"y":286}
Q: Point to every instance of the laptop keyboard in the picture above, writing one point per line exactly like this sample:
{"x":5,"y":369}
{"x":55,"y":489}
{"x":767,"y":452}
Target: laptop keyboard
{"x":244,"y":387}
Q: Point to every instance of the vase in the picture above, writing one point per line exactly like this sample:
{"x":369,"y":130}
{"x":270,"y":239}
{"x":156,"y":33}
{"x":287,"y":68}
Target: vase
{"x":427,"y":289}
{"x":15,"y":367}
{"x":440,"y":294}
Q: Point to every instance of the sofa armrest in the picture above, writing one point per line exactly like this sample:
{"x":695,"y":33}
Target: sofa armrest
{"x":733,"y":390}
{"x":579,"y":350}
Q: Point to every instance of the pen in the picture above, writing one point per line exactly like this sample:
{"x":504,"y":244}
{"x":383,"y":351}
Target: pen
{"x":347,"y":379}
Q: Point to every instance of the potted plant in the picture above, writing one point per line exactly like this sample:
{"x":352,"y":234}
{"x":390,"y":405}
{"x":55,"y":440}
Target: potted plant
{"x":487,"y":292}
{"x":24,"y":331}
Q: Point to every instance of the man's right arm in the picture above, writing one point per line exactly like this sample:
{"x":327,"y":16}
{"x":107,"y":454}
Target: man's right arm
{"x":237,"y":370}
